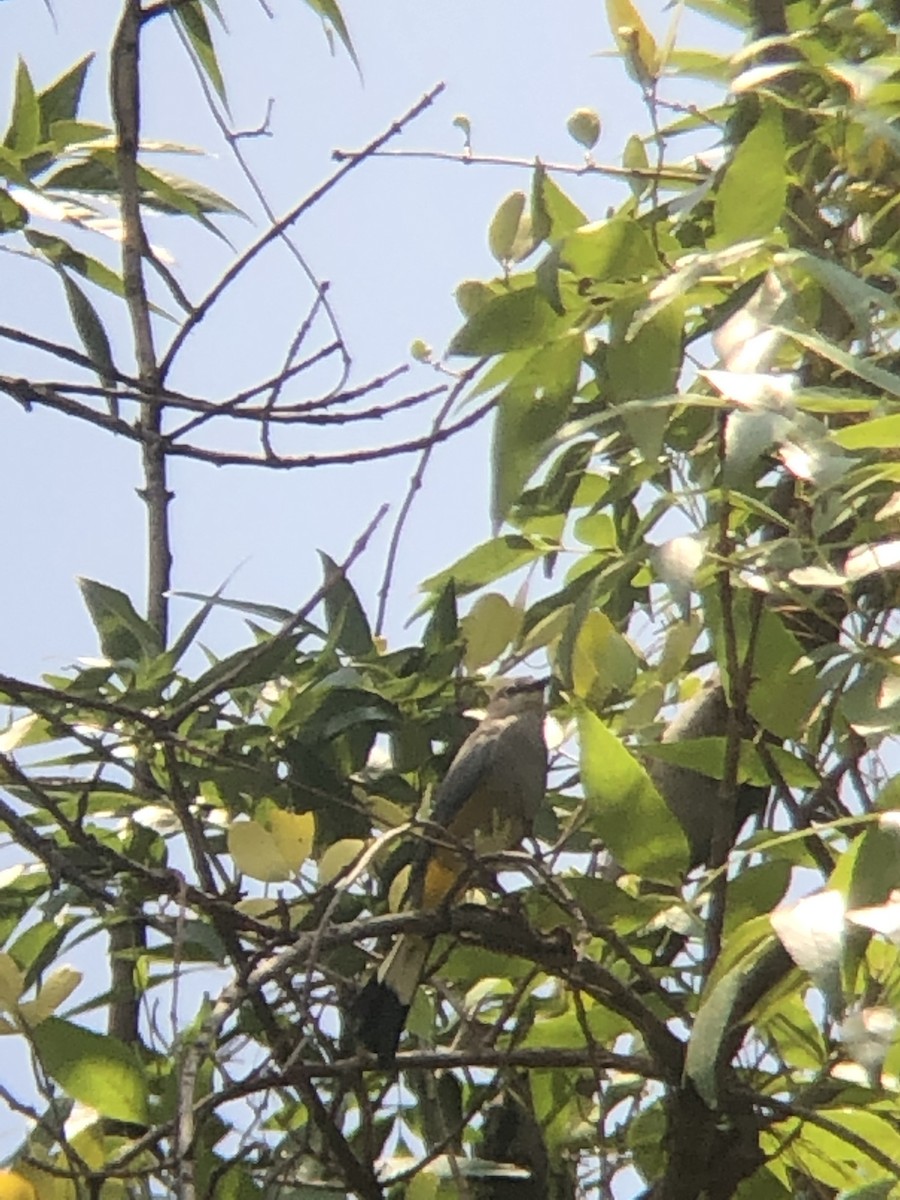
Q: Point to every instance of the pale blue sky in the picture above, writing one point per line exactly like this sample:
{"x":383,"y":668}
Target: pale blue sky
{"x":394,"y":239}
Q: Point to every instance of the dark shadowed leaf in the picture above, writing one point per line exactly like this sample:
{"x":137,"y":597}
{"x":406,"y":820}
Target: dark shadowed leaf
{"x":344,"y":612}
{"x":60,"y":100}
{"x":90,"y":330}
{"x":193,"y":21}
{"x":331,"y":13}
{"x":12,"y":214}
{"x":123,"y":633}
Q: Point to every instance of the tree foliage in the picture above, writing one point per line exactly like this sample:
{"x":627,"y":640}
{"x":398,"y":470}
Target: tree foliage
{"x":692,"y":977}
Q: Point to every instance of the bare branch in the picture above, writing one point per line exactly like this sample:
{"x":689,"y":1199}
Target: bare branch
{"x":285,"y":222}
{"x":415,"y":484}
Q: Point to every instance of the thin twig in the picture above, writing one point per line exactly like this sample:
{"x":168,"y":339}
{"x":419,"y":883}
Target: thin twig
{"x":415,"y":483}
{"x":224,"y":458}
{"x":675,"y":174}
{"x":278,"y":227}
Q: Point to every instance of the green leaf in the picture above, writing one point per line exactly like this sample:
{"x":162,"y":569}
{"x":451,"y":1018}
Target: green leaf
{"x":617,"y":249}
{"x":706,"y":755}
{"x":568,"y":1031}
{"x":635,"y":41}
{"x":175,"y":194}
{"x":68,"y":133}
{"x":740,"y":955}
{"x":330,"y":12}
{"x":268,"y":612}
{"x":123,"y":634}
{"x":25,"y":124}
{"x":880,"y":433}
{"x":60,"y":100}
{"x":504,"y":226}
{"x":855,"y":364}
{"x":161,"y":190}
{"x":626,"y":809}
{"x":756,"y":891}
{"x":90,"y":330}
{"x":344,"y":612}
{"x":553,"y":213}
{"x":514,"y":321}
{"x":645,"y":366}
{"x":785,"y":690}
{"x":94,"y":1068}
{"x":61,"y":254}
{"x":584,"y":127}
{"x":11,"y":168}
{"x":193,"y":21}
{"x":634,"y":158}
{"x":442,"y":629}
{"x":12,"y":214}
{"x":246,"y":667}
{"x":487,"y":562}
{"x":824,"y":1155}
{"x":751,"y":197}
{"x":530,"y":410}
{"x":488,"y":628}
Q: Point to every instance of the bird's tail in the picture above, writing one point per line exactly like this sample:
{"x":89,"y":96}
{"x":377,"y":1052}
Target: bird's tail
{"x":379,"y":1013}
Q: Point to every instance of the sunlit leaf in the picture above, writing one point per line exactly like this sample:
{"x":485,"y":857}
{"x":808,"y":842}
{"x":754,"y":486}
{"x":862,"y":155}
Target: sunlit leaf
{"x":345,"y":614}
{"x":293,"y":834}
{"x":530,"y":410}
{"x":95,"y":1068}
{"x":25,"y":125}
{"x":54,"y":991}
{"x":514,"y":321}
{"x":487,"y":562}
{"x":504,"y":226}
{"x":488,"y":628}
{"x":12,"y":983}
{"x":635,"y":41}
{"x":626,"y":809}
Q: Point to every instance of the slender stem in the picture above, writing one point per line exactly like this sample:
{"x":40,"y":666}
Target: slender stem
{"x":125,"y":96}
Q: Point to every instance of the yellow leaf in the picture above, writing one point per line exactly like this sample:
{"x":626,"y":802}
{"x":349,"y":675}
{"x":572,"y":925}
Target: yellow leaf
{"x":488,"y":628}
{"x":12,"y":738}
{"x":339,"y":856}
{"x":58,"y":988}
{"x":602,"y":661}
{"x":293,"y":834}
{"x":12,"y":984}
{"x":398,"y":889}
{"x":386,"y":812}
{"x":634,"y":39}
{"x":256,"y":853}
{"x":44,"y":1186}
{"x":14,"y":1187}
